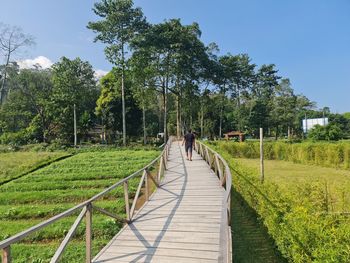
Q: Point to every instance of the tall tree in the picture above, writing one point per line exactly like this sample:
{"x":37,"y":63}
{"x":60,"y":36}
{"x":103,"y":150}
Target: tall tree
{"x":144,"y":90}
{"x":12,"y":39}
{"x":284,"y":108}
{"x":74,"y":83}
{"x":120,"y":23}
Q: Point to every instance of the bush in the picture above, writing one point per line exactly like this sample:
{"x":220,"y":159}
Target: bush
{"x":331,"y":132}
{"x":297,"y":219}
{"x":15,"y":138}
{"x":327,"y":154}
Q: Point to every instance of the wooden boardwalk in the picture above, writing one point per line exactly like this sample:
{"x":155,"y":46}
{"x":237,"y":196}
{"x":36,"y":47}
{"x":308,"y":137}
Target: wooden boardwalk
{"x":180,"y":223}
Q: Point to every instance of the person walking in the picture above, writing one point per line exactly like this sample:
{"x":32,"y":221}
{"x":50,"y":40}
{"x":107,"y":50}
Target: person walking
{"x":189,"y":141}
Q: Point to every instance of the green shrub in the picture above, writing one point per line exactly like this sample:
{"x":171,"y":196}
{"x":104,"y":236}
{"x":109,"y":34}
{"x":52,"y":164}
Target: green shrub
{"x":327,"y":154}
{"x":15,"y":138}
{"x":298,"y":218}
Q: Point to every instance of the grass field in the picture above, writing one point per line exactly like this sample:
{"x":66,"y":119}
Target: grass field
{"x":291,"y":177}
{"x":305,"y":209}
{"x":48,"y":191}
{"x":14,"y":164}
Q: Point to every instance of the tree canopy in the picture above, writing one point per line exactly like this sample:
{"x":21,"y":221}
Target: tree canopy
{"x":164,"y":80}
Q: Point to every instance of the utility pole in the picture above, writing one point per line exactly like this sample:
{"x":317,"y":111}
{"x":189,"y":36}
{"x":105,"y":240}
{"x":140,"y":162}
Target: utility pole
{"x":324,"y":120}
{"x":305,"y":124}
{"x":75,"y":127}
{"x":262,"y":175}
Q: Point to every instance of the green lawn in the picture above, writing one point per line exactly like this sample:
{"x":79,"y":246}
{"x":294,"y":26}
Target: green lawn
{"x":294,"y":177}
{"x":15,"y":164}
{"x":48,"y":191}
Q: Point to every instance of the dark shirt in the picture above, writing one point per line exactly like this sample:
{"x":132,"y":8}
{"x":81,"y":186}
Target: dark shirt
{"x":189,"y":138}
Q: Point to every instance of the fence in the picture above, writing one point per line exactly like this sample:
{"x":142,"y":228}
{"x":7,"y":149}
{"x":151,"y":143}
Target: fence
{"x":86,"y":210}
{"x":222,"y":170}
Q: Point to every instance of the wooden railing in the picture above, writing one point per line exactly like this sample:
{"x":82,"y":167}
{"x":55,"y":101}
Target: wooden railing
{"x":86,"y":209}
{"x":222,"y":170}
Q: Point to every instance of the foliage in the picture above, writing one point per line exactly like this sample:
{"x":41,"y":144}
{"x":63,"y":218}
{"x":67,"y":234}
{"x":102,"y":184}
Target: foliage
{"x":165,"y":79}
{"x":74,"y":84}
{"x":119,"y":25}
{"x":48,"y":191}
{"x":330,"y":132}
{"x":15,"y":164}
{"x":335,"y":155}
{"x":297,"y":216}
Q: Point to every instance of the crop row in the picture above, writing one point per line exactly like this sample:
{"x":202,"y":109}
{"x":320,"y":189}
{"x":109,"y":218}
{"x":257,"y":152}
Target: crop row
{"x":45,"y":211}
{"x":59,"y":186}
{"x":13,"y":165}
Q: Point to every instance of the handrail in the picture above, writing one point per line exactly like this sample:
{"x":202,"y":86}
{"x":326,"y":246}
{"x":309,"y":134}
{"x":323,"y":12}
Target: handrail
{"x":222,"y":170}
{"x":87,"y":207}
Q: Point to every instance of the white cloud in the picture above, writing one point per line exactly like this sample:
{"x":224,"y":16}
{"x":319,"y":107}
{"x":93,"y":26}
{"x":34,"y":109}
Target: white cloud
{"x":99,"y":73}
{"x":40,"y":61}
{"x":45,"y":63}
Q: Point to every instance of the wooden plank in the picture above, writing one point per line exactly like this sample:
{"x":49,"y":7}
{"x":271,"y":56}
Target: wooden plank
{"x":146,"y":186}
{"x":6,"y":255}
{"x":154,"y":251}
{"x":164,"y":244}
{"x":67,"y":238}
{"x":132,"y":210}
{"x":155,"y":259}
{"x":182,"y":220}
{"x":88,"y":234}
{"x":126,"y":198}
{"x":105,"y":212}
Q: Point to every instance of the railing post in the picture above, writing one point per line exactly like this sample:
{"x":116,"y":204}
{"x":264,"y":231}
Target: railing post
{"x":146,"y":185}
{"x":6,"y":255}
{"x":160,"y":170}
{"x":126,"y":197}
{"x":88,"y":235}
{"x":164,"y":163}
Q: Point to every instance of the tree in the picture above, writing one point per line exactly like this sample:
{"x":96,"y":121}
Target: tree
{"x":74,"y":83}
{"x":144,"y":90}
{"x":121,"y":22}
{"x":177,"y":55}
{"x":12,"y":39}
{"x":108,"y":104}
{"x":262,"y":92}
{"x":284,"y":107}
{"x":330,"y":132}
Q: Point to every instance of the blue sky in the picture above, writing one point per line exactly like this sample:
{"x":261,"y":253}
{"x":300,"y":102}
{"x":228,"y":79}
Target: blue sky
{"x":309,"y":41}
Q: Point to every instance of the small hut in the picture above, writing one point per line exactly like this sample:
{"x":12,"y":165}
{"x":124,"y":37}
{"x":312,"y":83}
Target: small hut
{"x":235,"y":134}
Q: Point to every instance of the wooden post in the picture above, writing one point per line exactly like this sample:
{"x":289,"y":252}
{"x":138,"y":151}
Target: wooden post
{"x":6,"y":255}
{"x":146,"y":185}
{"x":261,"y":156}
{"x":75,"y":127}
{"x":160,"y":170}
{"x":88,"y":235}
{"x":127,"y":205}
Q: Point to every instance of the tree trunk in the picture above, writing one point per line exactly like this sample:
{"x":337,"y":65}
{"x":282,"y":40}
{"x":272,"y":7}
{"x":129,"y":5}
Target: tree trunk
{"x":3,"y":84}
{"x":144,"y":124}
{"x":123,"y":98}
{"x":276,"y":135}
{"x":288,"y":132}
{"x":178,"y":132}
{"x":165,"y":92}
{"x":202,"y":121}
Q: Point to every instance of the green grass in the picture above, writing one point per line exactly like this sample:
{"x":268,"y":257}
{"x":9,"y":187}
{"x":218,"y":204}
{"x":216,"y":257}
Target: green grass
{"x":326,"y":154}
{"x":14,"y":164}
{"x":294,"y":178}
{"x":59,"y":186}
{"x":251,"y":241}
{"x":303,"y":207}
